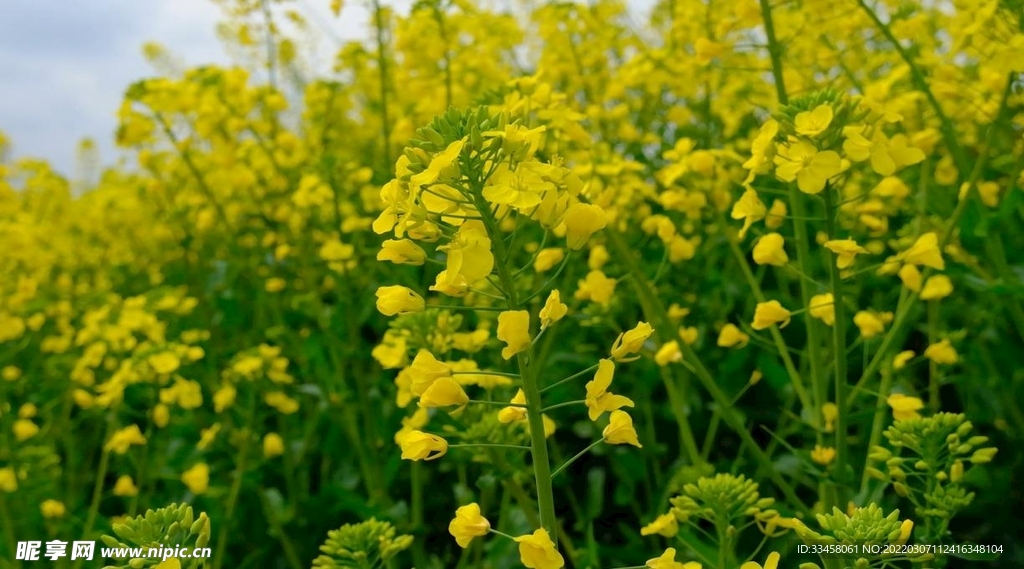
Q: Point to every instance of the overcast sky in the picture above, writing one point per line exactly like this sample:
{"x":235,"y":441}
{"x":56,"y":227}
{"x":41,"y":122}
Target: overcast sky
{"x":64,"y":64}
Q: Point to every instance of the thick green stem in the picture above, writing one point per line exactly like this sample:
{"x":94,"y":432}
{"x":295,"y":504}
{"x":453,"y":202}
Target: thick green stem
{"x":531,"y":389}
{"x":382,"y":69}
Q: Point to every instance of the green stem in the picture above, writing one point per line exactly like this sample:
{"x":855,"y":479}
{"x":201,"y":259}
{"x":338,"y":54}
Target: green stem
{"x":677,"y":404}
{"x":876,"y":423}
{"x":236,"y":484}
{"x":382,"y":68}
{"x":838,"y":344}
{"x":8,"y":525}
{"x":97,"y":490}
{"x":275,"y":525}
{"x":932,"y":311}
{"x":566,"y":404}
{"x":570,"y":378}
{"x":489,"y":445}
{"x":538,"y":442}
{"x":416,"y":487}
{"x":576,"y":457}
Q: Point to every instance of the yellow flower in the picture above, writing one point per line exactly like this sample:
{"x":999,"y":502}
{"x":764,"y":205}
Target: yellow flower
{"x":468,"y":523}
{"x":581,"y":221}
{"x":424,"y":370}
{"x":776,"y":215}
{"x":162,"y":415}
{"x":10,"y":373}
{"x":823,"y":308}
{"x":937,"y":287}
{"x":273,"y":445}
{"x":469,"y":255}
{"x":811,"y":169}
{"x":705,"y":50}
{"x":224,"y":397}
{"x":549,"y":425}
{"x":275,"y":284}
{"x":749,"y":208}
{"x":444,"y":164}
{"x":401,"y":252}
{"x":417,"y":445}
{"x":830,"y":412}
{"x":911,"y":277}
{"x":925,"y":251}
{"x":823,"y":455}
{"x":846,"y":250}
{"x":121,"y":440}
{"x":553,"y":311}
{"x":665,"y":525}
{"x":392,"y":300}
{"x":8,"y":480}
{"x":901,"y":359}
{"x":444,"y":392}
{"x":813,"y":123}
{"x":596,"y":287}
{"x":511,"y":413}
{"x":870,"y":324}
{"x":514,"y":330}
{"x":598,"y":399}
{"x":620,"y":430}
{"x":732,"y":336}
{"x":52,"y":509}
{"x":987,"y":191}
{"x":904,"y":407}
{"x":770,"y":250}
{"x":631,"y":341}
{"x":887,"y":155}
{"x":668,"y":560}
{"x":770,"y":562}
{"x":547,"y":259}
{"x":197,"y":478}
{"x":207,"y":436}
{"x":284,"y":404}
{"x":668,"y":353}
{"x":24,"y":429}
{"x":164,"y":362}
{"x":169,"y":563}
{"x":762,"y":150}
{"x":537,"y":551}
{"x":942,"y":353}
{"x":125,"y":486}
{"x":598,"y":257}
{"x":768,"y":314}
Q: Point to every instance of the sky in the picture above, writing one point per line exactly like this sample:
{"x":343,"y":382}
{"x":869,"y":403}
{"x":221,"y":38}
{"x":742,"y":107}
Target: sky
{"x":64,"y":64}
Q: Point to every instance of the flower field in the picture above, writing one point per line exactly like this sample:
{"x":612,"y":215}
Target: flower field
{"x":725,"y":285}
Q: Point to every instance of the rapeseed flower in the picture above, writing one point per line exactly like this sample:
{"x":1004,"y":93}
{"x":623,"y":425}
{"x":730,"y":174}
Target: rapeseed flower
{"x":599,"y":400}
{"x":468,"y":523}
{"x":537,"y":551}
{"x":620,"y":430}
